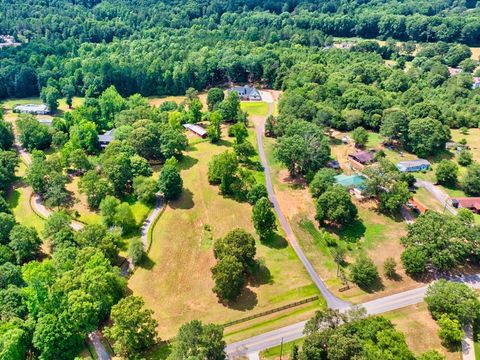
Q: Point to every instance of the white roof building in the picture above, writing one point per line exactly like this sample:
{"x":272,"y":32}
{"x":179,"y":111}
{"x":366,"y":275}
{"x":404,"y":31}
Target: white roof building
{"x":35,"y":109}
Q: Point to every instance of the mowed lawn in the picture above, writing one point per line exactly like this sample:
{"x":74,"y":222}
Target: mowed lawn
{"x":176,"y":280}
{"x":255,"y":108}
{"x":19,"y":201}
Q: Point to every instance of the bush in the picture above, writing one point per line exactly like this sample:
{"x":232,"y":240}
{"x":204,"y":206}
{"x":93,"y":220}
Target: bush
{"x":257,"y":192}
{"x":465,"y":158}
{"x":450,"y":331}
{"x":471,"y":181}
{"x":360,"y":136}
{"x":322,"y":181}
{"x":136,"y":251}
{"x":389,"y":267}
{"x":447,"y":173}
{"x":364,"y":272}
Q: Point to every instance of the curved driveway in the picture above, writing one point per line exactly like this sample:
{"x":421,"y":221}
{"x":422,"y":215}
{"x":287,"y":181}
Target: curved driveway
{"x":331,"y":299}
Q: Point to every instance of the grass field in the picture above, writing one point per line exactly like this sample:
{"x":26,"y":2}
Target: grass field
{"x":473,"y":140}
{"x":283,"y":350}
{"x":176,"y":280}
{"x":19,"y":202}
{"x":421,"y":331}
{"x":157,"y":101}
{"x":255,"y":108}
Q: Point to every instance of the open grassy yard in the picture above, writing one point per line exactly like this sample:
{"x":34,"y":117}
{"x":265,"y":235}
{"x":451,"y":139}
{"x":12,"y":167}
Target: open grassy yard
{"x":255,"y":108}
{"x":421,"y":331}
{"x":473,"y":140}
{"x":157,"y":101}
{"x":176,"y":280}
{"x":19,"y":201}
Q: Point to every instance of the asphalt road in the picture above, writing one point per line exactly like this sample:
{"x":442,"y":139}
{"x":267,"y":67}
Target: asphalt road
{"x":295,"y":331}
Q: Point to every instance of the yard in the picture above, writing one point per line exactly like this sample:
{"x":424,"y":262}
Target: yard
{"x":375,"y":234}
{"x":176,"y":280}
{"x":255,"y":108}
{"x":19,"y":201}
{"x":421,"y":331}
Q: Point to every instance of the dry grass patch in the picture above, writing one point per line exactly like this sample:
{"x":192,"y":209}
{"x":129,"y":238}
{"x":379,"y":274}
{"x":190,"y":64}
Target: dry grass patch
{"x":421,"y":331}
{"x":473,"y":140}
{"x":176,"y":280}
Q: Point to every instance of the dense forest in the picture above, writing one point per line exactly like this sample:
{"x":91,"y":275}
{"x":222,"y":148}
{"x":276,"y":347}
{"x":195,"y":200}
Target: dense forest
{"x":413,"y":88}
{"x":156,"y":48}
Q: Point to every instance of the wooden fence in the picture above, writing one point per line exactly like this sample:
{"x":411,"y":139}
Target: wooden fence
{"x":271,"y":311}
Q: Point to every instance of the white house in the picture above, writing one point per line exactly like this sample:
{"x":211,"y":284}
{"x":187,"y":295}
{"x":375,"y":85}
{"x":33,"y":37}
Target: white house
{"x":247,"y":93}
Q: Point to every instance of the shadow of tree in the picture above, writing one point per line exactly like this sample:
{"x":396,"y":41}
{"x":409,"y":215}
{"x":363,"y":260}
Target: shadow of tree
{"x":375,"y":286}
{"x":275,"y":242}
{"x":187,"y":162}
{"x":223,"y":142}
{"x":260,"y":274}
{"x":246,"y":301}
{"x":350,"y":233}
{"x":185,"y":201}
{"x":147,"y":263}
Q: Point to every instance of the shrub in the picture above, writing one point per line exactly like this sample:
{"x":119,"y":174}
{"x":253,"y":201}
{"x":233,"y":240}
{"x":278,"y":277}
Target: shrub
{"x":364,"y":272}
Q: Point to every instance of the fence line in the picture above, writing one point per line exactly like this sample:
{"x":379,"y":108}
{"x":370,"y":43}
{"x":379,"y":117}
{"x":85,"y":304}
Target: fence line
{"x":271,"y":311}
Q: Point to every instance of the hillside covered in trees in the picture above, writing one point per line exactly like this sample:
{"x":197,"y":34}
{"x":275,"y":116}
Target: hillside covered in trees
{"x":155,"y":48}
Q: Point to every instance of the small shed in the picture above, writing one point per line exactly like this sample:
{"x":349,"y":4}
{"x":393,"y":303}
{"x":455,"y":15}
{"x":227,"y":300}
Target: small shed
{"x":413,"y":165}
{"x":196,"y":129}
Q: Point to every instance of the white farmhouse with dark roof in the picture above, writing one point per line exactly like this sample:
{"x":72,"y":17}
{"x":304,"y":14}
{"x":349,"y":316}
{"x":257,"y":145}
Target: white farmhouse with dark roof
{"x":106,"y":138}
{"x":247,"y":92}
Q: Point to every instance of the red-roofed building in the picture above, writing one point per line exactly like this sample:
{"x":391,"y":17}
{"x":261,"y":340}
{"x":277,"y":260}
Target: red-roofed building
{"x":471,"y":203}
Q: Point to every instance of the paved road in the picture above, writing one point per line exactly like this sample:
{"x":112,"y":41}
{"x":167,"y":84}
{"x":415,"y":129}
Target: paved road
{"x":438,"y":194}
{"x":102,"y":353}
{"x":331,"y":299}
{"x":468,"y":349}
{"x":378,"y":306}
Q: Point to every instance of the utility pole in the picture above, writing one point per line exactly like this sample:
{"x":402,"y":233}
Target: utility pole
{"x":281,"y":349}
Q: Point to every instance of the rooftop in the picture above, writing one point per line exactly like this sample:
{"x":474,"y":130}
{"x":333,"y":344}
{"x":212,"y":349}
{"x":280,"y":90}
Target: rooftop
{"x":363,"y":156}
{"x":196,"y":129}
{"x":32,"y":108}
{"x":108,"y":137}
{"x":468,"y":202}
{"x":411,"y":163}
